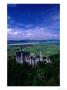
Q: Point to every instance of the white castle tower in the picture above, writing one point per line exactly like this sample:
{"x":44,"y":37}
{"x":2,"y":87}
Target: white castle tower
{"x":21,"y":55}
{"x":41,"y":57}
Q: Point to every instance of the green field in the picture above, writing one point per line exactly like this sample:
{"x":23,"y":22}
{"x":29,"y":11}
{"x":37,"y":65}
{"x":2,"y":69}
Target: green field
{"x":41,"y":75}
{"x":46,"y":49}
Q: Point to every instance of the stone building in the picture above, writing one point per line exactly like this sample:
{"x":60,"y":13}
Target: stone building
{"x":22,"y":56}
{"x":31,"y":58}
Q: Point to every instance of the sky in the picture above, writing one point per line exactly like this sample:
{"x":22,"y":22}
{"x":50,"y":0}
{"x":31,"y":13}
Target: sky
{"x":33,"y":21}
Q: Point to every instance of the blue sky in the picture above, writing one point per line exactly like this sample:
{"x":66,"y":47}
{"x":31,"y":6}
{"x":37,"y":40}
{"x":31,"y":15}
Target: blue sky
{"x":33,"y":21}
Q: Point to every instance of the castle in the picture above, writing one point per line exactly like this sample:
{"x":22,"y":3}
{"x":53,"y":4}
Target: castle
{"x":31,"y":58}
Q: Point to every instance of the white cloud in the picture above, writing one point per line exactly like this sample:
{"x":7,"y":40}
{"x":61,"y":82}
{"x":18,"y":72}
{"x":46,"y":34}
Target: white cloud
{"x":8,"y":17}
{"x":31,"y":33}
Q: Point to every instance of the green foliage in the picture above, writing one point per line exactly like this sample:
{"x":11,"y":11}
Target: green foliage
{"x":41,"y":75}
{"x":47,"y":49}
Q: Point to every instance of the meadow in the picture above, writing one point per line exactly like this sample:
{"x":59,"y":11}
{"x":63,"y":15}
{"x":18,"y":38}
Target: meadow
{"x":41,"y":75}
{"x":46,"y":49}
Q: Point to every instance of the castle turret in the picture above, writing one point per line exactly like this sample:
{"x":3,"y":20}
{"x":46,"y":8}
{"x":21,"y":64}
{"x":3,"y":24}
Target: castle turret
{"x":41,"y":57}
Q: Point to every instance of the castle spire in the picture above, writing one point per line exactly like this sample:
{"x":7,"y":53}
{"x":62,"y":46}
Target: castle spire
{"x":41,"y":58}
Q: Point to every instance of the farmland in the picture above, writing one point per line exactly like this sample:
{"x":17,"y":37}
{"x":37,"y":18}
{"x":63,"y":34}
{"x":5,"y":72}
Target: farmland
{"x":47,"y":49}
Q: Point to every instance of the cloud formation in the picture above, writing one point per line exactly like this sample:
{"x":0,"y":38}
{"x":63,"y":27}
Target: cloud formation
{"x":35,"y":33}
{"x":29,"y":22}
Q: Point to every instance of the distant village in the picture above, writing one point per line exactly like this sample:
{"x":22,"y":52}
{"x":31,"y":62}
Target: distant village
{"x":31,"y":58}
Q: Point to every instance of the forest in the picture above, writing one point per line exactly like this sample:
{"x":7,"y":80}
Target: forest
{"x":41,"y":75}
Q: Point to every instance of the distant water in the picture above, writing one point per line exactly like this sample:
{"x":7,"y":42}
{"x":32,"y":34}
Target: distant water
{"x":32,"y":42}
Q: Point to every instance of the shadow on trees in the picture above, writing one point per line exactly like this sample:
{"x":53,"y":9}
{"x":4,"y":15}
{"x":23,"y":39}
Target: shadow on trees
{"x":41,"y":75}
